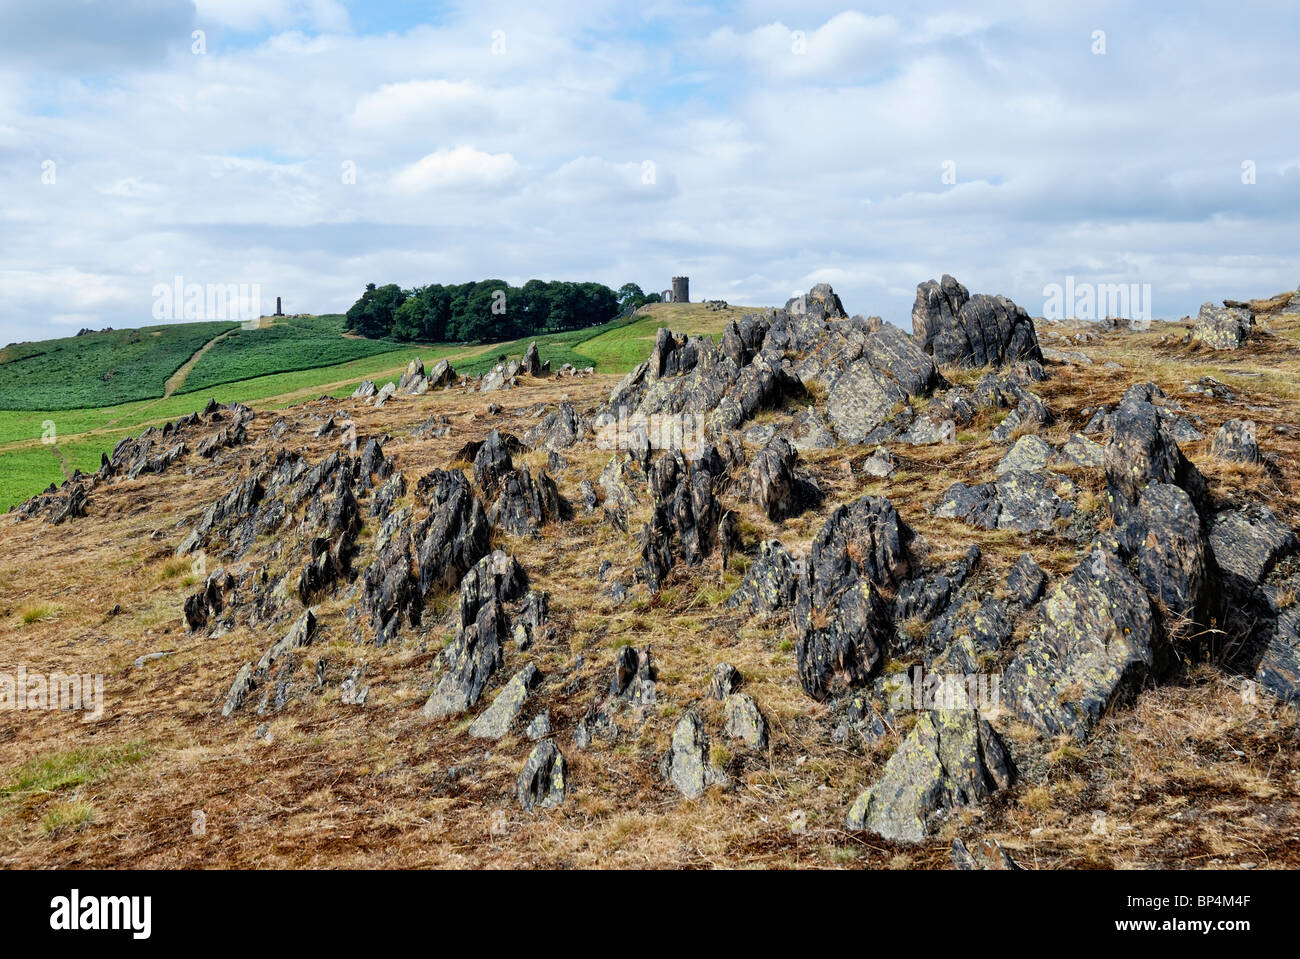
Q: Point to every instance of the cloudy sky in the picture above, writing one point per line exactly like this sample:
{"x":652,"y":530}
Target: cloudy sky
{"x":312,"y":146}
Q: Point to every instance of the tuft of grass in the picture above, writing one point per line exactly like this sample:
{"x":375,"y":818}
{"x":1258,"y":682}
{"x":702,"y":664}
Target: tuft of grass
{"x":34,"y":614}
{"x":67,"y":815}
{"x":76,"y":767}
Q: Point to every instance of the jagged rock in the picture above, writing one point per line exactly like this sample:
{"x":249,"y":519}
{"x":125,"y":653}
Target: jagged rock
{"x":1172,"y":556}
{"x":866,"y":393}
{"x":209,"y":601}
{"x":250,"y":676}
{"x":809,"y":431}
{"x":1030,"y":412}
{"x":634,"y":676}
{"x":774,"y":484}
{"x":954,"y":327}
{"x":492,"y":463}
{"x":988,"y":854}
{"x":523,"y":506}
{"x":684,"y":519}
{"x":1017,"y":500}
{"x":1030,"y":453}
{"x":477,"y":651}
{"x":1247,"y":542}
{"x":771,"y":582}
{"x":842,"y":621}
{"x":531,"y":364}
{"x":1095,"y":647}
{"x":1025,"y":581}
{"x":687,"y":765}
{"x":820,"y":302}
{"x":558,"y":430}
{"x":725,"y":680}
{"x":495,"y":721}
{"x":951,"y":758}
{"x":1223,"y":328}
{"x":456,"y":534}
{"x":744,"y":721}
{"x":926,"y":596}
{"x":1235,"y":441}
{"x":541,"y":783}
{"x":1140,"y":452}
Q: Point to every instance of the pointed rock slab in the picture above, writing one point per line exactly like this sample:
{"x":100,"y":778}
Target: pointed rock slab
{"x":1096,"y":646}
{"x":541,"y":783}
{"x":771,"y":583}
{"x":686,"y":764}
{"x":744,"y":721}
{"x":1140,"y":451}
{"x":495,"y":721}
{"x":1172,"y":557}
{"x":726,"y":679}
{"x":951,"y":758}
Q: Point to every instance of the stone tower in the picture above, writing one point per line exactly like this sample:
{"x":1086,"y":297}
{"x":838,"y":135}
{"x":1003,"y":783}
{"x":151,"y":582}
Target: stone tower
{"x":681,"y":289}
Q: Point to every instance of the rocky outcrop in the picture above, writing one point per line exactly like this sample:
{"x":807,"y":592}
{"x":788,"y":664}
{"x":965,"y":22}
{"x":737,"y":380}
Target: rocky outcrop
{"x":957,"y":328}
{"x":477,"y":651}
{"x":771,"y":582}
{"x":1017,"y":500}
{"x":495,"y":721}
{"x":684,"y":518}
{"x":1140,"y":452}
{"x":273,"y":673}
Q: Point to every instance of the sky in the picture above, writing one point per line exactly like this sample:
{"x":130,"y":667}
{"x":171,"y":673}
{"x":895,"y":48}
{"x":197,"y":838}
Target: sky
{"x":304,"y":148}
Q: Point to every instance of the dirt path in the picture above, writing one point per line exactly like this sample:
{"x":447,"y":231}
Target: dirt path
{"x":177,"y":379}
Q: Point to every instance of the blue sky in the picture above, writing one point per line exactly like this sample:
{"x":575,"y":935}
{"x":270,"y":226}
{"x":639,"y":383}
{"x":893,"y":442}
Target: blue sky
{"x":756,"y":147}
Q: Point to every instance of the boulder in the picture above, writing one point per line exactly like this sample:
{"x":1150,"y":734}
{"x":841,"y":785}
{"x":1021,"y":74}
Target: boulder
{"x":771,"y":582}
{"x":687,"y":765}
{"x":1140,"y":452}
{"x":956,"y":328}
{"x":950,"y":759}
{"x":1235,"y":441}
{"x":541,"y":783}
{"x":744,"y":721}
{"x":495,"y":721}
{"x":1223,"y":328}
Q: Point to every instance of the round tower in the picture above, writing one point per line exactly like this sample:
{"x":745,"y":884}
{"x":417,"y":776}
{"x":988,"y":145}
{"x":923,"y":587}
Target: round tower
{"x":681,"y":289}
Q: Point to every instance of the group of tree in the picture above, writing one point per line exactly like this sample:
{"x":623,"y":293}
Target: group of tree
{"x":487,"y":310}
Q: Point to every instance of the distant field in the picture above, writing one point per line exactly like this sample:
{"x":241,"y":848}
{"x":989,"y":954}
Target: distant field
{"x":98,"y":369}
{"x":288,"y":345}
{"x":27,"y":465}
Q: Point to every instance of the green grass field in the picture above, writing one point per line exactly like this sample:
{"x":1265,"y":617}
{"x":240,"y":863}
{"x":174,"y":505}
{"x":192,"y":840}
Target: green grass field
{"x":98,"y":369}
{"x":28,"y":465}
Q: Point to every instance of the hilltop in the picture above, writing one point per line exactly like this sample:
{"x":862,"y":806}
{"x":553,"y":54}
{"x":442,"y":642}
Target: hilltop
{"x":467,"y":614}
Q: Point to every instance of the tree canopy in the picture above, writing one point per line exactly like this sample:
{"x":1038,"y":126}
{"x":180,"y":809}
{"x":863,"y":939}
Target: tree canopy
{"x":487,"y":310}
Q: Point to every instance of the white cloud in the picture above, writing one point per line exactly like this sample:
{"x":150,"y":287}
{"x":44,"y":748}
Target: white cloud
{"x":459,"y":168}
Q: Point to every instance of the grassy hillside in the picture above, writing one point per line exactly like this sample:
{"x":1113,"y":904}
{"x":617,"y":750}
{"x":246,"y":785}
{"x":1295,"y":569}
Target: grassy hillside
{"x":271,"y":369}
{"x":98,"y":369}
